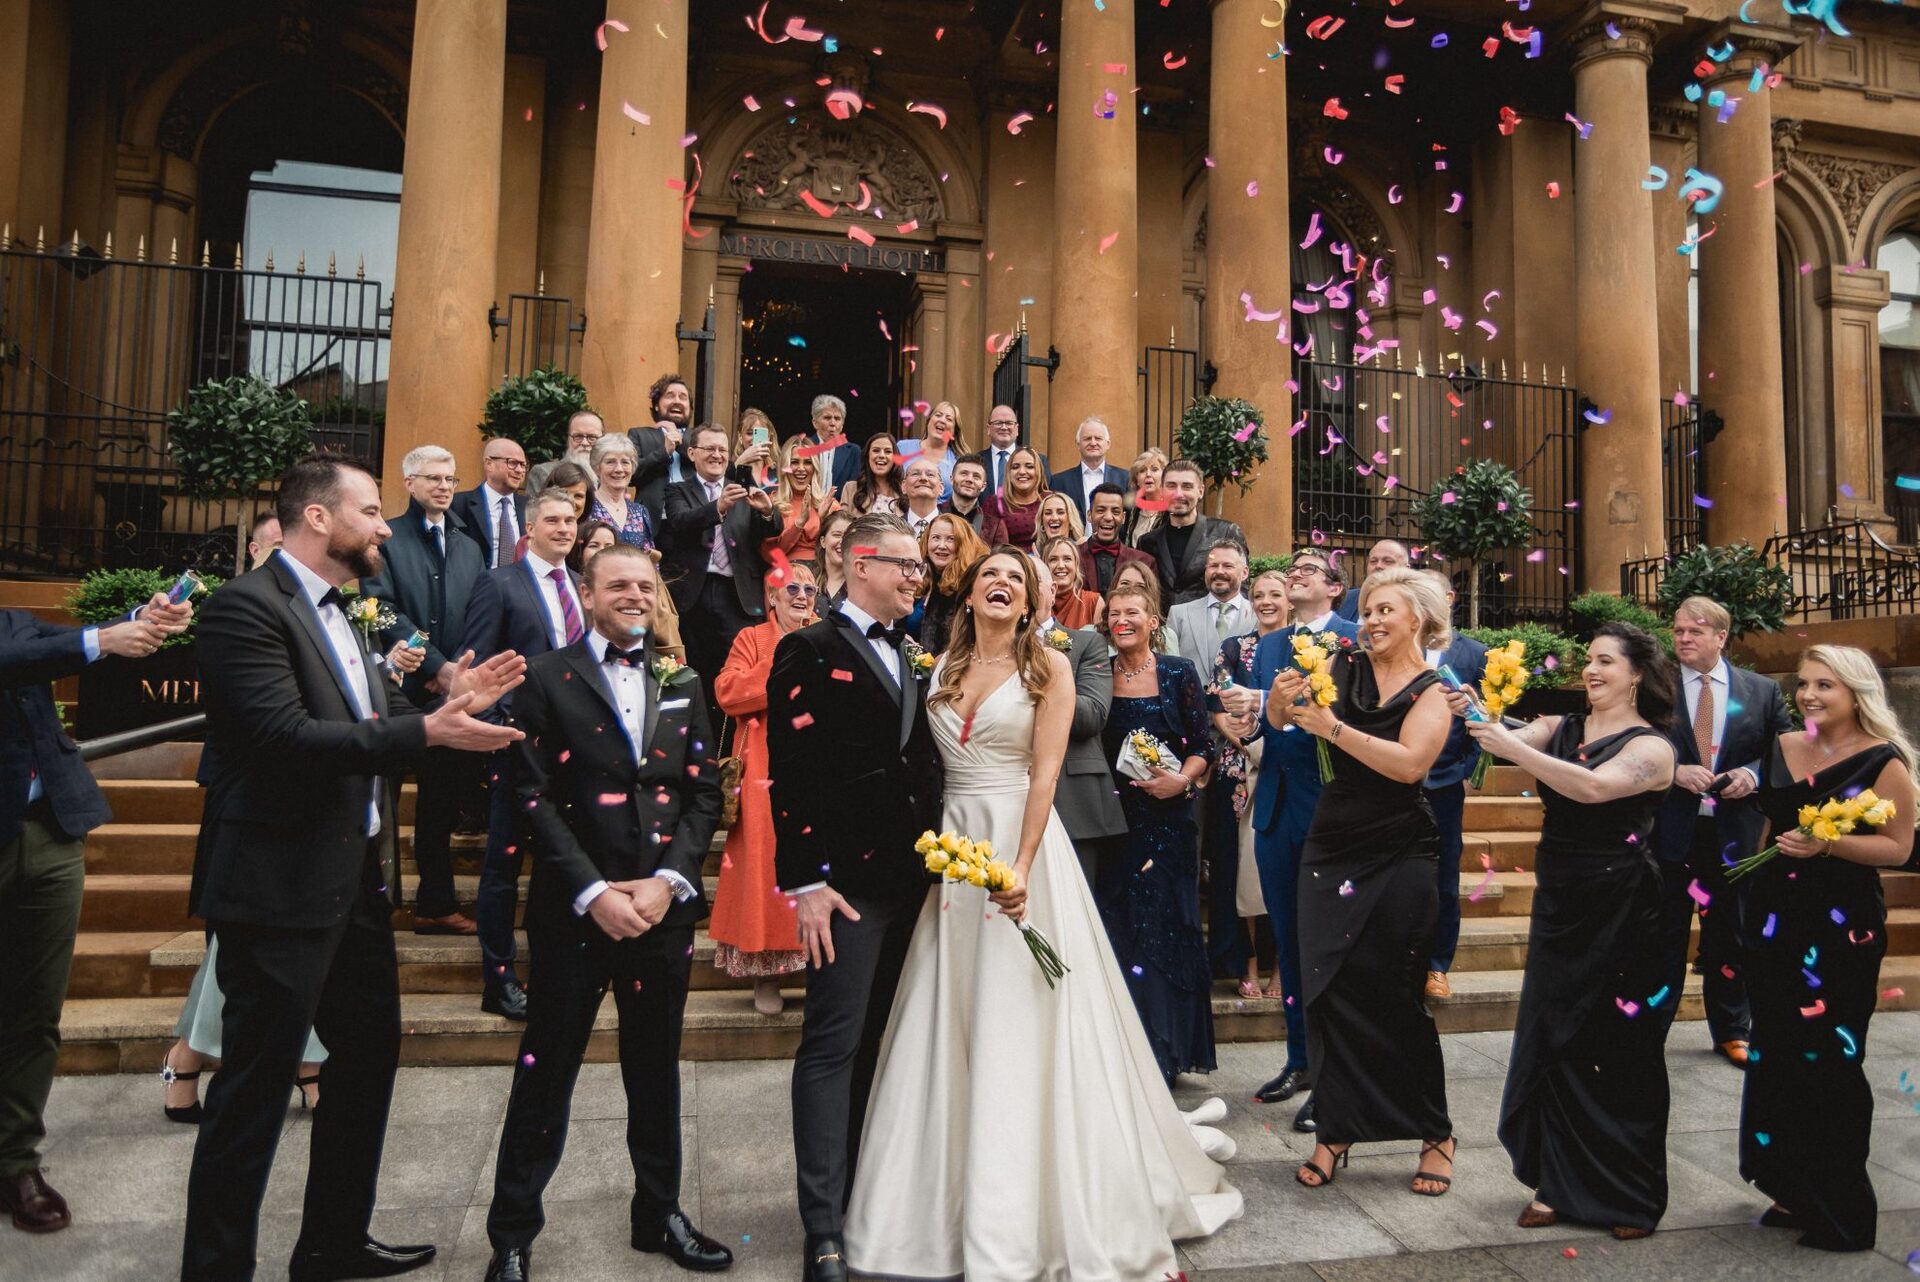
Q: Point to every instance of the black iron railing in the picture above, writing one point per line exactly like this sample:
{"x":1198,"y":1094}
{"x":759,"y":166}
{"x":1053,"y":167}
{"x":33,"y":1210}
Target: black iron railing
{"x":1171,"y":378}
{"x":95,"y":350}
{"x":1842,"y":570}
{"x":1904,"y":505}
{"x":1686,"y":429}
{"x":703,"y":367}
{"x":1370,"y":441}
{"x":540,"y":332}
{"x":1010,"y":377}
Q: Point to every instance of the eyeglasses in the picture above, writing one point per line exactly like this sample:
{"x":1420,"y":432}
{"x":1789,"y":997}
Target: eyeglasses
{"x":583,"y":438}
{"x":800,"y":592}
{"x":435,"y":481}
{"x":1003,"y":422}
{"x":708,"y":449}
{"x":908,"y":567}
{"x":1306,"y":572}
{"x":513,"y":464}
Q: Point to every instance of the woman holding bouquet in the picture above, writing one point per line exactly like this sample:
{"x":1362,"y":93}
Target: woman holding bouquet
{"x":1816,"y":929}
{"x":1584,"y":1116}
{"x":1150,"y":895}
{"x":1369,"y":894}
{"x":1018,"y":1130}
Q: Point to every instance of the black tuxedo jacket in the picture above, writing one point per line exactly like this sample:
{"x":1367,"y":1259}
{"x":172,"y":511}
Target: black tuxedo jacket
{"x":288,"y":767}
{"x":1186,"y":581}
{"x":1756,"y":715}
{"x":476,"y":511}
{"x":856,"y":776}
{"x":652,"y":463}
{"x":33,"y":655}
{"x":587,"y":812}
{"x":693,"y":522}
{"x":427,"y":591}
{"x":509,"y":612}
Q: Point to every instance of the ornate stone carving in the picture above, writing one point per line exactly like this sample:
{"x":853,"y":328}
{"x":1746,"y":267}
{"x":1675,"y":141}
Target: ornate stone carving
{"x":832,"y":160}
{"x":1592,"y":41}
{"x":234,"y":72}
{"x":1786,"y":141}
{"x":1852,"y":183}
{"x":1355,"y":216}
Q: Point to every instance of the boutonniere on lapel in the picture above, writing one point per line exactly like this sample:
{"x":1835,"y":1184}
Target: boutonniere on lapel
{"x":919,"y":660}
{"x":369,"y":614}
{"x":667,"y":670}
{"x":1059,"y":639}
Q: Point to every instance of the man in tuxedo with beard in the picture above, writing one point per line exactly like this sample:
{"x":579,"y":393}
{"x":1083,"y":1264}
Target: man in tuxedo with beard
{"x":303,"y":738}
{"x":856,"y":779}
{"x":660,"y":450}
{"x":619,"y":795}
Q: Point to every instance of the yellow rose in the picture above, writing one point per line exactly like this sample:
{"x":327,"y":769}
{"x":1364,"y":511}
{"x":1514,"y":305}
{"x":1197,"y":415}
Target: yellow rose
{"x":1301,"y":641}
{"x":1868,"y":797}
{"x":949,"y":843}
{"x":1807,"y":816}
{"x":927,"y":842}
{"x":1326,"y":697}
{"x":956,"y":871}
{"x":1519,"y":679}
{"x":1320,"y":680}
{"x":984,"y":848}
{"x":977,"y":877}
{"x":1826,"y":830}
{"x":1516,"y":649}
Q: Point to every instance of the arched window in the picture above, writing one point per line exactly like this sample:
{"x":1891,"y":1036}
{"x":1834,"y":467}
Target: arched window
{"x":1899,"y":257}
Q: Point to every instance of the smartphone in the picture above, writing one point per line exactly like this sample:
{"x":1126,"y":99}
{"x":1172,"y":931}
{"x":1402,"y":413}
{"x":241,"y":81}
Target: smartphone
{"x":185,"y":588}
{"x":1476,"y":710}
{"x":1719,"y":785}
{"x":759,"y":436}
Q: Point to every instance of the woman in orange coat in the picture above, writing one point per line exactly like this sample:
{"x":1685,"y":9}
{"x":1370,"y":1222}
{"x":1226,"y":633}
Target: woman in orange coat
{"x":754,"y":931}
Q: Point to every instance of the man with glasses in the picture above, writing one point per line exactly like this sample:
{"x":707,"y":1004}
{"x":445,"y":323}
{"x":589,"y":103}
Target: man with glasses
{"x":714,"y":530}
{"x":1284,"y":799}
{"x":1003,"y":438}
{"x":494,"y":512}
{"x":921,"y":488}
{"x":583,"y":429}
{"x":428,"y":573}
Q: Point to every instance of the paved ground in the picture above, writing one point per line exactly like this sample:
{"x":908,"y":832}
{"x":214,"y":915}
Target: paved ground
{"x":123,"y":1167}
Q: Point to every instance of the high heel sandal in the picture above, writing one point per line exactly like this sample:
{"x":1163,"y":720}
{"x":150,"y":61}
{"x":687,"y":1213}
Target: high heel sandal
{"x":1325,"y":1177}
{"x":1444,"y":1181}
{"x":191,"y":1114}
{"x":300,"y":1085}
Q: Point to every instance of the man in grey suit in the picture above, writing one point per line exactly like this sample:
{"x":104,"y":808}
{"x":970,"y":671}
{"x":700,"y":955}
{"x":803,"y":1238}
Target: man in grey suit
{"x":1200,"y":627}
{"x":428,"y":576}
{"x":1085,"y":799}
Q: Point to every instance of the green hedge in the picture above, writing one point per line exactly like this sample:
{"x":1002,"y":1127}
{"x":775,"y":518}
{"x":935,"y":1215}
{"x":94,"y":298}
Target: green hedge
{"x":106,"y":595}
{"x":1569,"y":653}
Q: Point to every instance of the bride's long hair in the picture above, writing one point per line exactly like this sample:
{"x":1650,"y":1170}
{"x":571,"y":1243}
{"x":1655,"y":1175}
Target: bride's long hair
{"x":1029,"y":647}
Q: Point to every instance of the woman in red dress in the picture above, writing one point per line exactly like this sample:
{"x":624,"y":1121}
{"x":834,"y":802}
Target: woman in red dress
{"x":754,"y":930}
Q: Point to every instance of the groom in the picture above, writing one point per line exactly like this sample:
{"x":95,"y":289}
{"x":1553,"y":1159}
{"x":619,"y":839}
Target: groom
{"x":855,"y":779}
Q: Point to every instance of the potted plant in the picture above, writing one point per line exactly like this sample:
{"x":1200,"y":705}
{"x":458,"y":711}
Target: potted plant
{"x":1225,"y":436}
{"x":1554,"y":685}
{"x":1479,"y":510}
{"x":232,"y":436}
{"x":1756,"y":594}
{"x":532,"y":410}
{"x":1592,"y":609}
{"x":126,"y":696}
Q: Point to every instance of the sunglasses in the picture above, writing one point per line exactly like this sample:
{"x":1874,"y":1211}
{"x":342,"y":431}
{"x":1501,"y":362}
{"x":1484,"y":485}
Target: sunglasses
{"x":800,"y":592}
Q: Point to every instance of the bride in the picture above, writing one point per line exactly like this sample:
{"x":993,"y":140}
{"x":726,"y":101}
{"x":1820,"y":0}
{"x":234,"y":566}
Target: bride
{"x":1027,"y":1131}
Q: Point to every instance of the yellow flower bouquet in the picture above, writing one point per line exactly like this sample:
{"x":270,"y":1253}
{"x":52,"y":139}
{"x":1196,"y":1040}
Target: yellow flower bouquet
{"x":954,"y":857}
{"x":1313,"y":655}
{"x":1501,"y":686}
{"x":1829,"y":821}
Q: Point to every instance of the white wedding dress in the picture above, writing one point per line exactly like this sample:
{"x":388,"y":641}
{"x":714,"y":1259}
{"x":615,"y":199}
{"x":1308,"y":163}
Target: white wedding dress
{"x":1015,"y":1131}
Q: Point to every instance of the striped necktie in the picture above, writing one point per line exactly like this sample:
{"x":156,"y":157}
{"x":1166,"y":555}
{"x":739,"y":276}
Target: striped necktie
{"x":569,"y":613}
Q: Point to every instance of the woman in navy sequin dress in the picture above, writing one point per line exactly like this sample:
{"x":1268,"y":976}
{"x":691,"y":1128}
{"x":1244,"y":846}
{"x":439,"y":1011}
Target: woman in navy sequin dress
{"x":1149,"y":894}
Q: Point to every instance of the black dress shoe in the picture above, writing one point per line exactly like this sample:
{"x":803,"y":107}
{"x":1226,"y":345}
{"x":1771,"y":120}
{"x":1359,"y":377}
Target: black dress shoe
{"x":370,"y":1259}
{"x":1303,"y":1121}
{"x":826,"y":1260}
{"x":1285,"y":1086}
{"x":505,"y":998}
{"x":510,"y":1265}
{"x":686,"y":1246}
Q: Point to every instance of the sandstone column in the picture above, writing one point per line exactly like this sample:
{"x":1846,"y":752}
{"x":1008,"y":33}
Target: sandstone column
{"x":1617,"y":331}
{"x":1850,"y":301}
{"x":523,"y":133}
{"x":1248,"y":252}
{"x":634,"y":246}
{"x":1740,"y":373}
{"x":441,"y":365}
{"x":1096,"y":242}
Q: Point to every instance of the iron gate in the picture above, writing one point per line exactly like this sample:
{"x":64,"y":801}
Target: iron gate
{"x":1010,"y":377}
{"x":1686,"y":429}
{"x":1371,"y":441}
{"x":1171,"y":378}
{"x":540,"y":333}
{"x":95,"y":350}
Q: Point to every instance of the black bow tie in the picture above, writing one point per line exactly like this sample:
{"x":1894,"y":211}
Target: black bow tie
{"x":891,"y":635}
{"x":333,"y":598}
{"x":634,"y":658}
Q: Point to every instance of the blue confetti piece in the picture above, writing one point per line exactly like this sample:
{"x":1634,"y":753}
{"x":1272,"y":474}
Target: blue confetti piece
{"x":1839,"y":918}
{"x":1762,"y":1138}
{"x":1766,"y":931}
{"x":1906,"y":482}
{"x":1660,"y":996}
{"x":1846,"y":1040}
{"x":830,"y":45}
{"x":795,"y":340}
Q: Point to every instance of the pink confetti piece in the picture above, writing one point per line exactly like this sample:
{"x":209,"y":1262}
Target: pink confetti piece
{"x":1168,"y":61}
{"x":1627,"y":1008}
{"x":1106,"y":241}
{"x":634,"y":113}
{"x":752,"y":103}
{"x":814,"y":203}
{"x":911,"y":225}
{"x":797,"y":29}
{"x":856,"y":232}
{"x":1814,"y":1011}
{"x":1020,"y":121}
{"x":600,"y":32}
{"x":930,"y":109}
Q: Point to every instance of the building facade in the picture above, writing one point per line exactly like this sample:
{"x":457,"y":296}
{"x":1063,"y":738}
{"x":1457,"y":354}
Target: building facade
{"x":1660,"y":259}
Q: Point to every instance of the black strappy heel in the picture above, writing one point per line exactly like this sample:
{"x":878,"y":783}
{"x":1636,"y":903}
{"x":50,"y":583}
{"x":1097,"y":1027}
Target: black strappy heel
{"x":1325,"y":1177}
{"x":300,"y":1085}
{"x":192,"y":1113}
{"x":1444,"y":1181}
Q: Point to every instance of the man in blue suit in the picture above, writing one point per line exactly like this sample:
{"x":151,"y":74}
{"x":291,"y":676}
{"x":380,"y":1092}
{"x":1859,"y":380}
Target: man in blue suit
{"x":1079,"y":482}
{"x":841,"y":463}
{"x":529,"y":607}
{"x":48,"y":804}
{"x":1446,"y":789}
{"x":1284,"y":801}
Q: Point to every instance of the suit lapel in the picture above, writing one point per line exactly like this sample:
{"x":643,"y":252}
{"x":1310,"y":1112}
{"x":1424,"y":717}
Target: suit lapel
{"x":583,"y":665}
{"x":910,"y":700}
{"x":308,"y":618}
{"x":867,"y":656}
{"x":537,"y":601}
{"x":650,"y":716}
{"x":1196,"y":546}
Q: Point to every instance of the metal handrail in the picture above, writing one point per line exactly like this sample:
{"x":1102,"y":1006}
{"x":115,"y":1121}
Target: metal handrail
{"x":113,"y":745}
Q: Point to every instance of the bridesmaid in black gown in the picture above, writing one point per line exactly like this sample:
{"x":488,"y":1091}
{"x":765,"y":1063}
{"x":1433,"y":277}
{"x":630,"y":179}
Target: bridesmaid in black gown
{"x":1816,"y":929}
{"x":1584,"y":1116}
{"x":1369,"y":893}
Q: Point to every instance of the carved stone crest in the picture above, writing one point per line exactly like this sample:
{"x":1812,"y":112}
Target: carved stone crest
{"x":860,"y":164}
{"x":1852,"y":183}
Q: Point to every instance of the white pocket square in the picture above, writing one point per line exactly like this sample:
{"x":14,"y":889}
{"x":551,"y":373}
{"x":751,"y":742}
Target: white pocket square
{"x":670,"y":704}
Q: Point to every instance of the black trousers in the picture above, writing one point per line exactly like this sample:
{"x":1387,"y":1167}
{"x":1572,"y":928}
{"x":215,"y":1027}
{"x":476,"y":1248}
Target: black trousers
{"x":1724,"y":984}
{"x":847,"y":1006}
{"x":1449,"y":805}
{"x":1227,"y":944}
{"x":342,"y":982}
{"x":499,"y":891}
{"x":449,"y":784}
{"x":573,"y":965}
{"x":708,"y":625}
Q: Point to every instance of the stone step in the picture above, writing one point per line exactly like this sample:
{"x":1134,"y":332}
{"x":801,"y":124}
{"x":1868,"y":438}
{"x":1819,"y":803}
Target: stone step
{"x":130,"y":1034}
{"x":179,"y":801}
{"x":158,"y":901}
{"x":1503,"y":814}
{"x":119,"y":964}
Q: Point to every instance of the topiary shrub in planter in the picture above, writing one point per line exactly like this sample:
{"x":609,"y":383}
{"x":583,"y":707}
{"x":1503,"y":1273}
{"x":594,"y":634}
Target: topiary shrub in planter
{"x":1591,"y":609}
{"x":116,"y":696}
{"x":232,"y":436}
{"x":1225,"y":436}
{"x":1260,"y":564}
{"x":532,"y":410}
{"x":1479,"y":510}
{"x":1756,"y":593}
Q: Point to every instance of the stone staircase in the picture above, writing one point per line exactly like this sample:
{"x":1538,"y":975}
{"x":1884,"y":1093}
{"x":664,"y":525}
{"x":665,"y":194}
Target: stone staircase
{"x":138,"y":949}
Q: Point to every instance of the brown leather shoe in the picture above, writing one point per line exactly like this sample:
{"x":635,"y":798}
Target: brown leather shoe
{"x":451,"y":924}
{"x":1437,"y":985}
{"x":1735,"y":1053}
{"x":35,"y":1207}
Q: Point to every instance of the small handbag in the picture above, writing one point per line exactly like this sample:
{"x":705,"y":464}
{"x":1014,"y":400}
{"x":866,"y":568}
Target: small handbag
{"x":733,"y":769}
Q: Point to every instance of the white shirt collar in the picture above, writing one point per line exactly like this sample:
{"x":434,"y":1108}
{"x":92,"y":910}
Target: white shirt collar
{"x":1099,"y":470}
{"x":1319,"y":624}
{"x":1716,"y":673}
{"x":435,"y":522}
{"x":861,"y":618}
{"x":311,"y":584}
{"x":597,"y":644}
{"x":1236,"y":601}
{"x":541,"y":567}
{"x":494,"y":496}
